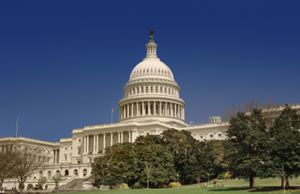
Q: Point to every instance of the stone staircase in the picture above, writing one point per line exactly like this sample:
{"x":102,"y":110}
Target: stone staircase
{"x":74,"y":184}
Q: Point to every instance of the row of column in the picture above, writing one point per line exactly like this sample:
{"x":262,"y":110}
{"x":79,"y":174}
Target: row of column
{"x":152,"y":108}
{"x":96,"y":143}
{"x":56,"y":156}
{"x":152,"y":89}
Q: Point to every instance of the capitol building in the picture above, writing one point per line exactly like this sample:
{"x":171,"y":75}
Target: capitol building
{"x":151,"y":104}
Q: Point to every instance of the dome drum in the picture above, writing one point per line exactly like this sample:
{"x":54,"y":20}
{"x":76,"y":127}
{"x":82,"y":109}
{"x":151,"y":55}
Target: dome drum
{"x":152,"y":108}
{"x":152,"y":89}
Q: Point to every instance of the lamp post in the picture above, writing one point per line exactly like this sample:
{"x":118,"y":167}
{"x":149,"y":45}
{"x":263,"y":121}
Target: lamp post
{"x":207,"y":178}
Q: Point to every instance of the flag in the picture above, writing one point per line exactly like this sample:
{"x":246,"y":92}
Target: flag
{"x":112,"y":110}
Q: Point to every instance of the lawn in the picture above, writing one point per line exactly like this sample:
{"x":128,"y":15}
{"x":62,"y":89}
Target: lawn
{"x":265,"y":186}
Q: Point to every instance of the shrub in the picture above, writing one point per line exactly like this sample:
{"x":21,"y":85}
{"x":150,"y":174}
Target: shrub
{"x":221,"y":176}
{"x":138,"y":185}
{"x":38,"y":187}
{"x":174,"y":184}
{"x":124,"y":186}
{"x":227,"y":175}
{"x":29,"y":187}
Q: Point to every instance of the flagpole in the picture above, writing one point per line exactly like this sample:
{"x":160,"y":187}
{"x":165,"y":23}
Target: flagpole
{"x":17,"y":127}
{"x":111,"y":116}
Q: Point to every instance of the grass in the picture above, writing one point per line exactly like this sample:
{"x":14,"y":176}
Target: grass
{"x":264,"y":186}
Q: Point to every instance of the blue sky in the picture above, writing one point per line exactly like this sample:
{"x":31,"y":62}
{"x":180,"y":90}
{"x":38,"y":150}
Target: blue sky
{"x":63,"y":64}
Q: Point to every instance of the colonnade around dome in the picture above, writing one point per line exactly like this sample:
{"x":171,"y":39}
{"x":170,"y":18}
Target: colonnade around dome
{"x":152,"y":108}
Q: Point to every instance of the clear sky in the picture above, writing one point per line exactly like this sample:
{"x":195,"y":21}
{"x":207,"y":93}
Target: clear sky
{"x":63,"y":64}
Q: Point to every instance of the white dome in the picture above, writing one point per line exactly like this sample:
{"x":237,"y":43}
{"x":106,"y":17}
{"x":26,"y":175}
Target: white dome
{"x":152,"y":92}
{"x":151,"y":68}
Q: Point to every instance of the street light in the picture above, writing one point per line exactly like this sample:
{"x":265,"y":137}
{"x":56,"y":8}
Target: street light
{"x":207,"y":178}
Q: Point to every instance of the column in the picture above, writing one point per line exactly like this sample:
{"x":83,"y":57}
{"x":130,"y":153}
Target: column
{"x":149,"y":113}
{"x":166,"y":109}
{"x":54,"y":157}
{"x":119,"y":137}
{"x":97,"y":143}
{"x":130,"y":136}
{"x":143,"y":108}
{"x":183,"y":114}
{"x":104,"y":141}
{"x":154,"y":108}
{"x":159,"y":111}
{"x":131,"y":109}
{"x":94,"y":145}
{"x":127,"y":111}
{"x":124,"y":113}
{"x":172,"y":111}
{"x":111,"y":139}
{"x":88,"y":144}
{"x":137,"y":109}
{"x":57,"y":156}
{"x":179,"y":111}
{"x":122,"y":138}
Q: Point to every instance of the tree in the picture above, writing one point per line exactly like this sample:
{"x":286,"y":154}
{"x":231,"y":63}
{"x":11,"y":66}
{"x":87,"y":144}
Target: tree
{"x":41,"y":182}
{"x":24,"y":164}
{"x":155,"y":165}
{"x":251,"y":105}
{"x":248,"y":137}
{"x":148,"y":171}
{"x":57,"y":179}
{"x":116,"y":166}
{"x":6,"y":156}
{"x":183,"y":148}
{"x":285,"y":149}
{"x":210,"y":157}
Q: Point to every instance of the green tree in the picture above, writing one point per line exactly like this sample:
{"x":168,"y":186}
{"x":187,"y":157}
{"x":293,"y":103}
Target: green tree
{"x":210,"y":157}
{"x":285,"y":145}
{"x":194,"y":161}
{"x":116,"y":166}
{"x":248,"y":137}
{"x":184,"y":150}
{"x":155,"y":165}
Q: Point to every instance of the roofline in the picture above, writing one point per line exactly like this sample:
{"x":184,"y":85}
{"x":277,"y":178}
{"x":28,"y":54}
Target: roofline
{"x":30,"y":140}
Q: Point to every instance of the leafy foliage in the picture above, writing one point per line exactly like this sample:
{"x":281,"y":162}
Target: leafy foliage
{"x":155,"y":161}
{"x":285,"y":141}
{"x":248,"y":139}
{"x":116,"y":167}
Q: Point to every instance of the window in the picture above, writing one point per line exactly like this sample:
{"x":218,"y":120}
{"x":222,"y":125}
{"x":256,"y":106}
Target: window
{"x":66,"y":173}
{"x":49,"y":175}
{"x":84,"y":172}
{"x":76,"y":172}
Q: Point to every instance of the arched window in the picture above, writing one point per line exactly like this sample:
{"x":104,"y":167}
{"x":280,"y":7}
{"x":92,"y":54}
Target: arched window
{"x":66,"y":172}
